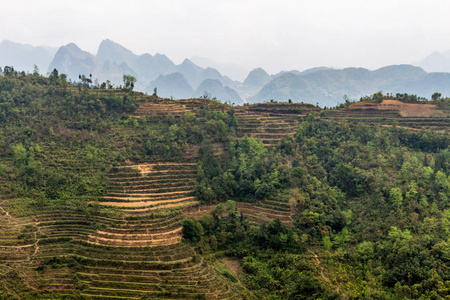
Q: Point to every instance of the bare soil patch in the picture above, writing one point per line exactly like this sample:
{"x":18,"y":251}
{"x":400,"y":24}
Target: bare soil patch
{"x":145,"y":203}
{"x":198,"y":212}
{"x":233,"y":266}
{"x":405,"y":109}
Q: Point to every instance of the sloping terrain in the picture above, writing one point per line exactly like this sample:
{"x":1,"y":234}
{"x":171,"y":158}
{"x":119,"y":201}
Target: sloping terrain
{"x":264,"y":211}
{"x":271,"y":122}
{"x":130,"y":256}
{"x":151,"y":186}
{"x":415,"y":116}
{"x":95,"y":186}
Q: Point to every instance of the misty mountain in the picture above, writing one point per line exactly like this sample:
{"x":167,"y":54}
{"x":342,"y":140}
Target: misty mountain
{"x":24,"y":57}
{"x":317,"y":85}
{"x":214,"y":88}
{"x":233,"y":71}
{"x":429,"y":84}
{"x":148,"y":68}
{"x":192,"y":72}
{"x":145,"y":66}
{"x":73,"y":61}
{"x":257,"y":78}
{"x":172,"y":85}
{"x":109,"y":50}
{"x":436,"y":62}
{"x":195,"y":75}
{"x":113,"y":60}
{"x":327,"y":87}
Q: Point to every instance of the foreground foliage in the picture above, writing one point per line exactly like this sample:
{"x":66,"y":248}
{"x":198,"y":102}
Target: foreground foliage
{"x":372,"y":201}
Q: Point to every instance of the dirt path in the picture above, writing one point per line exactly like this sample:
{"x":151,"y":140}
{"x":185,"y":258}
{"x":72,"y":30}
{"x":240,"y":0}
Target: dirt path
{"x":35,"y":244}
{"x":321,"y":269}
{"x":4,"y":211}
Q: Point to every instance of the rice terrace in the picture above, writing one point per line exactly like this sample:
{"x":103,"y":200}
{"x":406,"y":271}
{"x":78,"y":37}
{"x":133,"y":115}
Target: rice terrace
{"x":131,"y":196}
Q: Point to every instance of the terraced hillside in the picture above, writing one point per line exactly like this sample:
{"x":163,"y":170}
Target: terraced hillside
{"x":264,"y":211}
{"x":389,"y":112}
{"x":270,"y":122}
{"x":146,"y":187}
{"x":130,"y":254}
{"x":153,"y":261}
{"x":163,"y":107}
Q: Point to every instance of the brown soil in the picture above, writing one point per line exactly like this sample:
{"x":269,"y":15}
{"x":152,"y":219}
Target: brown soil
{"x":147,"y":168}
{"x":121,"y":243}
{"x":4,"y":212}
{"x":146,"y":196}
{"x":405,"y":109}
{"x":232,"y":265}
{"x":138,"y":235}
{"x":145,"y":209}
{"x":144,"y":203}
{"x":198,"y":212}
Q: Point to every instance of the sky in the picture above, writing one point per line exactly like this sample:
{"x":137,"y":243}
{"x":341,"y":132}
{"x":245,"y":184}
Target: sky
{"x":275,"y":35}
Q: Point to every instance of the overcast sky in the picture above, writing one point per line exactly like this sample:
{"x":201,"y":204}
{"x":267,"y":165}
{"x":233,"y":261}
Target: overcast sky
{"x":275,"y":35}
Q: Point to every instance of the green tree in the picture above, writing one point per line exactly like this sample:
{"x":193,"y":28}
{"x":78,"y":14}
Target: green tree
{"x":19,"y":154}
{"x":396,"y":196}
{"x":192,"y":230}
{"x":129,"y":81}
{"x":436,"y":96}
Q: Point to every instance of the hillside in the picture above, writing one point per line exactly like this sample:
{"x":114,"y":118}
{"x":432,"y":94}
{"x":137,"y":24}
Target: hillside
{"x":114,"y":194}
{"x":84,"y":221}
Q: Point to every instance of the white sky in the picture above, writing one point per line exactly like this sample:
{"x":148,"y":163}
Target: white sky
{"x":276,"y":35}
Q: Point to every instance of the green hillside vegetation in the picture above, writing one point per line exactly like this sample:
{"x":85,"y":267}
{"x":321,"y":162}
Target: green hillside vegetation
{"x":301,"y":203}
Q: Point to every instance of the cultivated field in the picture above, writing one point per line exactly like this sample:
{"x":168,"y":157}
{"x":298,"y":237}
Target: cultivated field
{"x":414,"y":116}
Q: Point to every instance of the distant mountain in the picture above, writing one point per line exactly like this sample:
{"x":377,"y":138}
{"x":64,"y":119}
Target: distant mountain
{"x":214,"y":88}
{"x":234,"y":71}
{"x":192,"y":72}
{"x":429,"y":84}
{"x":257,"y":78}
{"x":172,"y":85}
{"x":321,"y":85}
{"x":24,"y":57}
{"x":313,"y":70}
{"x":148,"y":68}
{"x":73,"y":61}
{"x":327,"y":87}
{"x":109,"y":50}
{"x":145,"y":66}
{"x":113,"y":60}
{"x":436,"y":62}
{"x":284,"y":87}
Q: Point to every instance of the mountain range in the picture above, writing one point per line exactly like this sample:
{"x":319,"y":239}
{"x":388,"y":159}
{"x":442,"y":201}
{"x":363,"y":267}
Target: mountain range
{"x":199,"y":77}
{"x":24,"y":57}
{"x":327,"y":86}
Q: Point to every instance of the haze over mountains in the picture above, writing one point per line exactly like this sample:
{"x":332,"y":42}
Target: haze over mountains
{"x":24,"y":57}
{"x":436,"y":62}
{"x":199,"y":77}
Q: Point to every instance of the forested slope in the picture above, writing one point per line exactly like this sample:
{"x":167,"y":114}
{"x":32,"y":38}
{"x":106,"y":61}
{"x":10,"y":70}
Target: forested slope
{"x":300,"y":203}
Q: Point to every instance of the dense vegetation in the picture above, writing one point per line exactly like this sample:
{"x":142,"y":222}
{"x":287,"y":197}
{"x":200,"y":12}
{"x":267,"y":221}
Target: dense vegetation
{"x":375,"y":199}
{"x":370,"y":204}
{"x":45,"y":122}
